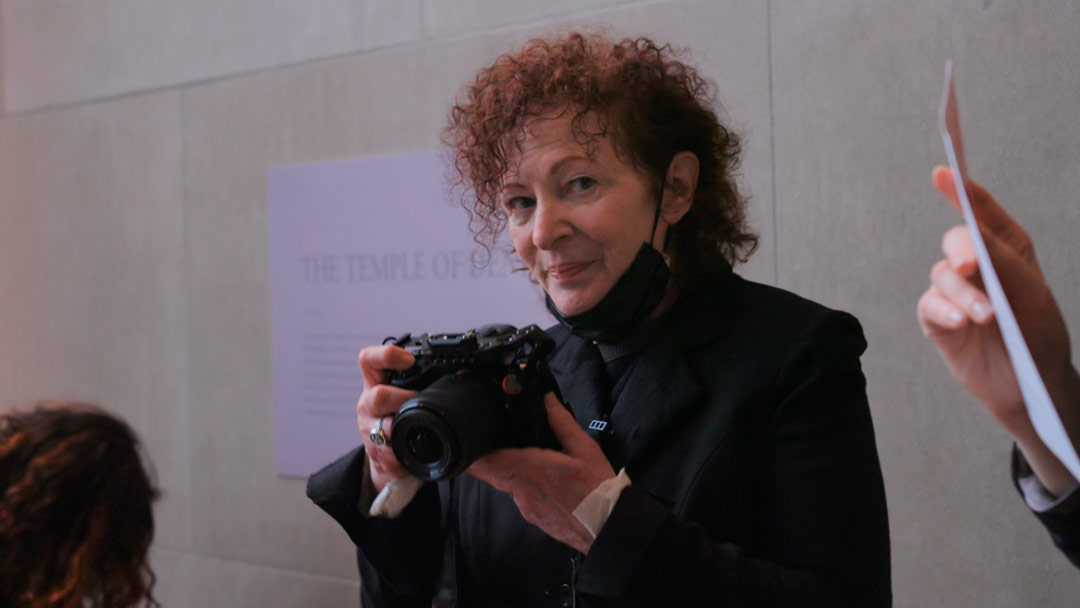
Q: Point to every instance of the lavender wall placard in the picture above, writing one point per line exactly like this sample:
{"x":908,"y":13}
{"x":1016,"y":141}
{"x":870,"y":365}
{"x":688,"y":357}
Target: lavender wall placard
{"x":361,"y":250}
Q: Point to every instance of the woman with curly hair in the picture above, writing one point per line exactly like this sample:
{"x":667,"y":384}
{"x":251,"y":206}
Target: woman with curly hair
{"x":75,"y":510}
{"x":717,"y":442}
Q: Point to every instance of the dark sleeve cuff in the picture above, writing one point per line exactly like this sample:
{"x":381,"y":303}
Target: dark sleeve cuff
{"x":1037,"y":497}
{"x":619,"y":551}
{"x":336,"y":489}
{"x":405,"y":552}
{"x":1062,"y":519}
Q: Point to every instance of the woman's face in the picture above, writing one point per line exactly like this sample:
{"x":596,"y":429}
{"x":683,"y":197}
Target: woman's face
{"x":577,"y":213}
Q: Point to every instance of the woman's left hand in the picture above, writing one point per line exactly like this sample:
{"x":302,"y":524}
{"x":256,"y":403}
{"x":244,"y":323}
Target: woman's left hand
{"x":547,"y":485}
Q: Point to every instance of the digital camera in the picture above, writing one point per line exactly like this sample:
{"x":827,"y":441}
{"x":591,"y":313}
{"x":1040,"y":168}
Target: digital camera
{"x":479,"y":391}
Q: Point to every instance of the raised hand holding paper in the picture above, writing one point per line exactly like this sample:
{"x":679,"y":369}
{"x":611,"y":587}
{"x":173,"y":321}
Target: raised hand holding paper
{"x":1040,"y":408}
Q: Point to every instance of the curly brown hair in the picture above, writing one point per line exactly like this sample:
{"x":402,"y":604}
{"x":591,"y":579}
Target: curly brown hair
{"x":651,"y":104}
{"x":75,"y":509}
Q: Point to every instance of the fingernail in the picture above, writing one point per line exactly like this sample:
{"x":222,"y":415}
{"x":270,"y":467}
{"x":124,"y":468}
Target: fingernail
{"x":980,"y":310}
{"x":956,"y":317}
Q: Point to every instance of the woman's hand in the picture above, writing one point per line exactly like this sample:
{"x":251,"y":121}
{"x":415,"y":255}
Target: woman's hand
{"x":955,"y":314}
{"x":378,"y":401}
{"x":547,"y":485}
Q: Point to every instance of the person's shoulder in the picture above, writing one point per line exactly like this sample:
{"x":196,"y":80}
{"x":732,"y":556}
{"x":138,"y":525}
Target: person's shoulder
{"x":780,"y":304}
{"x":775,"y":315}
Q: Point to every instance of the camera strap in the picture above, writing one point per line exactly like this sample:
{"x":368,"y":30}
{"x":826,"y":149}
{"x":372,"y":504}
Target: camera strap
{"x":612,"y":368}
{"x":596,"y":409}
{"x":446,"y":594}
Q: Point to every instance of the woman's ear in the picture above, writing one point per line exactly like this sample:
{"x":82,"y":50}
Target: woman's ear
{"x":679,"y":187}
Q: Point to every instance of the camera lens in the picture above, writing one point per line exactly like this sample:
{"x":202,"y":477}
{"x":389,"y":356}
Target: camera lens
{"x":444,"y":428}
{"x":424,"y":445}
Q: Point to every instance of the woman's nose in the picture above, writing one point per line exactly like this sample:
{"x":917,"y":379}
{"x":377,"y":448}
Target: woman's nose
{"x":550,"y":223}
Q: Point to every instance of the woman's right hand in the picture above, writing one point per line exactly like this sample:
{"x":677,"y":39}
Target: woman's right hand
{"x":381,"y":400}
{"x":955,"y":314}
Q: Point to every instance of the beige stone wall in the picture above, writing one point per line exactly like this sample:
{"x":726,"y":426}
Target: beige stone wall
{"x":135,"y":137}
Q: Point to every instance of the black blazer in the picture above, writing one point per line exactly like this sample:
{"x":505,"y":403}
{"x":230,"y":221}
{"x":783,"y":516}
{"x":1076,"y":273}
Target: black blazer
{"x":1064,"y":529}
{"x":745,"y":430}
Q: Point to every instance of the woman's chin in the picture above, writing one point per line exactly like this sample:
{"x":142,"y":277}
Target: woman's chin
{"x":574,"y":304}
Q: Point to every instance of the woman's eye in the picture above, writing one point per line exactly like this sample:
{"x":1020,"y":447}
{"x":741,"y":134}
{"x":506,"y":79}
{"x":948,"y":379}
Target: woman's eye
{"x":581,"y":184}
{"x":519,"y":203}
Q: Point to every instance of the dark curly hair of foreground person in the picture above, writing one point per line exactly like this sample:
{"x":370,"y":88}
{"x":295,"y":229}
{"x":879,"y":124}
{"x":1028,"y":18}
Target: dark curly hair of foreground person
{"x":653,"y":105}
{"x":75,"y":510}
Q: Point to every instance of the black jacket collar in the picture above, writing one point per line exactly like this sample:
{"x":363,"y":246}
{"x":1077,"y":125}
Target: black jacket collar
{"x":661,"y":384}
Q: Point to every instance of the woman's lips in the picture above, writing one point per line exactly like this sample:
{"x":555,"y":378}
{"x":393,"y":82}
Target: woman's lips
{"x":562,"y":272}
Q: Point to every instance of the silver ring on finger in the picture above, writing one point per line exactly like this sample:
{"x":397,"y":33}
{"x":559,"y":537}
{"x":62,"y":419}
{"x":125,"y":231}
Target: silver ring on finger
{"x":376,"y":434}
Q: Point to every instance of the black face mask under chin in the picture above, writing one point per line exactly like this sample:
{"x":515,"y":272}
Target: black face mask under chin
{"x":627,"y":305}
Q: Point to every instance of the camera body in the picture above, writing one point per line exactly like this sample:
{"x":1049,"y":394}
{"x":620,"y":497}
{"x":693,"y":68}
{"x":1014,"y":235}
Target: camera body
{"x":478,"y":391}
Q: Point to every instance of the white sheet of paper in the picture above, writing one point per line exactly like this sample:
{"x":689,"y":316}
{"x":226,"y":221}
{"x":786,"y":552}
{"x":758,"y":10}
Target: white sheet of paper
{"x":1043,"y":415}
